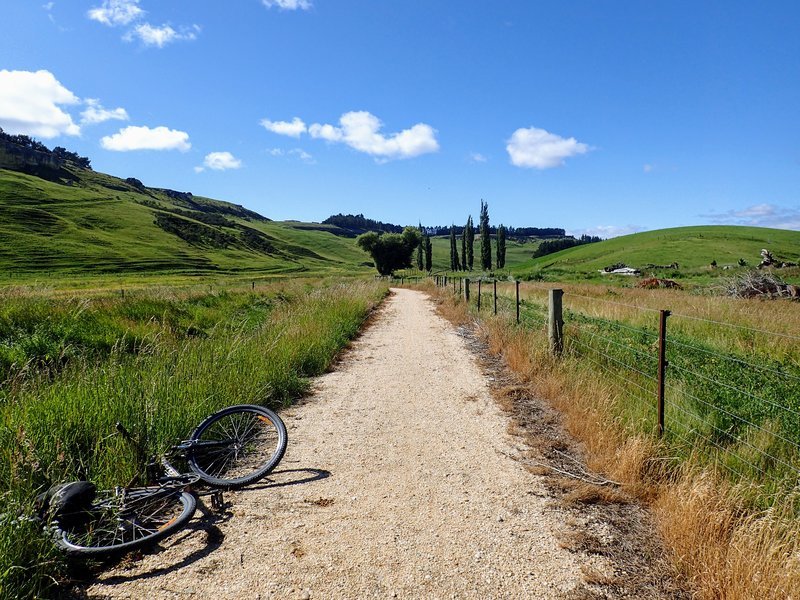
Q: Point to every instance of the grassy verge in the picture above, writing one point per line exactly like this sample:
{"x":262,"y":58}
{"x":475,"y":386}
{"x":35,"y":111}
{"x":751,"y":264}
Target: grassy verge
{"x":158,"y":363}
{"x":731,"y":536}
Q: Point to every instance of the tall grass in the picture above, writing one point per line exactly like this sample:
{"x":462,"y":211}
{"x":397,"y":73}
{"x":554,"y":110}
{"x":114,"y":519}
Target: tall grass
{"x":57,"y":424}
{"x":732,"y":537}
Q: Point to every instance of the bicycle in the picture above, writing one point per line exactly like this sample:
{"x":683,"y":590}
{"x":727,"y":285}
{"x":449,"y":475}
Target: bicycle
{"x":231,"y":448}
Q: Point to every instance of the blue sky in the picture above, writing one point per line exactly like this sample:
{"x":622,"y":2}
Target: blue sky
{"x":599,"y":117}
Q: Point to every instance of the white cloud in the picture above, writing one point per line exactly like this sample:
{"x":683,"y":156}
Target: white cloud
{"x":288,"y":4}
{"x":647,"y":168}
{"x":759,"y":215}
{"x":607,"y":231}
{"x":275,"y":152}
{"x":293,"y":128}
{"x":116,"y":12}
{"x":219,"y":161}
{"x":303,"y":155}
{"x":360,"y":130}
{"x":144,"y":138}
{"x":477,"y":157}
{"x":540,"y":149}
{"x":160,"y":36}
{"x":97,"y":113}
{"x":48,"y":6}
{"x":30,"y":104}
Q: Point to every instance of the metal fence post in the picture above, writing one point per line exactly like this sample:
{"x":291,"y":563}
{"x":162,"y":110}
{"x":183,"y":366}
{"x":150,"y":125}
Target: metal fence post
{"x":517,"y":282}
{"x":662,"y":367}
{"x":555,"y":322}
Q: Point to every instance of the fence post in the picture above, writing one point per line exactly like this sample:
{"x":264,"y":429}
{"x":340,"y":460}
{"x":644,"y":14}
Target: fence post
{"x":662,"y":367}
{"x":454,"y":285}
{"x":495,"y":296}
{"x":460,"y":282}
{"x":555,"y":322}
{"x":466,"y":290}
{"x":517,"y":282}
{"x":123,"y":292}
{"x":479,"y":295}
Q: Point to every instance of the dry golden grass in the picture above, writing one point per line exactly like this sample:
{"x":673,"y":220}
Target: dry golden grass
{"x":722,"y":549}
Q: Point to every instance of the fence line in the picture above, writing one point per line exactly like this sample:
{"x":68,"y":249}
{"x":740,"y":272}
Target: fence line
{"x":634,"y":351}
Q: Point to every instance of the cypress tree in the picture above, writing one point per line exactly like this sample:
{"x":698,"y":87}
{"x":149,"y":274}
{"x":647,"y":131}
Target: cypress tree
{"x":428,"y":254}
{"x":470,"y":242}
{"x":464,"y":247}
{"x":486,"y":241}
{"x":420,"y":248}
{"x":453,"y":250}
{"x":501,"y":247}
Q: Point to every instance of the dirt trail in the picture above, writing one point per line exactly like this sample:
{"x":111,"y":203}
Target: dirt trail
{"x":397,"y":483}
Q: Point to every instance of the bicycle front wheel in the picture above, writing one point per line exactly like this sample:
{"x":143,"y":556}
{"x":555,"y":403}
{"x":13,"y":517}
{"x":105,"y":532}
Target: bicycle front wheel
{"x":123,"y":520}
{"x":237,"y":446}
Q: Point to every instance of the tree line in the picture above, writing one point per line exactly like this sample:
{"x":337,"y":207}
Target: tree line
{"x":58,"y":152}
{"x":393,"y":251}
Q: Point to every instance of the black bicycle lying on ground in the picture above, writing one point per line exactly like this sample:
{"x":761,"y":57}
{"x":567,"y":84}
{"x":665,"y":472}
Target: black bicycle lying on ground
{"x":232,"y":448}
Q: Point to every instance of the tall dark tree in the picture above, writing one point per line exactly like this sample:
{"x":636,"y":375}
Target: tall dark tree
{"x":455,"y":264}
{"x":420,"y":249}
{"x":390,"y":251}
{"x":464,"y":247}
{"x":501,"y":247}
{"x":486,"y":241}
{"x":470,"y":235}
{"x":428,"y":253}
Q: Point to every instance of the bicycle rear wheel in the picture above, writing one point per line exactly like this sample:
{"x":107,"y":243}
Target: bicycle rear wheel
{"x":237,"y":446}
{"x":123,"y":520}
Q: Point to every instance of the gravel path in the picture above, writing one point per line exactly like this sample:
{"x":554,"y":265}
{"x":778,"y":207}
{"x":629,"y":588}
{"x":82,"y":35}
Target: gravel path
{"x":397,"y":483}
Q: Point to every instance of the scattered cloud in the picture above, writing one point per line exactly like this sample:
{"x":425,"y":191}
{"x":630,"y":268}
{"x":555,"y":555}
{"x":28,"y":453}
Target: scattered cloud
{"x":360,"y":130}
{"x":161,"y":36}
{"x":116,"y":12}
{"x":607,"y":231}
{"x":759,"y":215}
{"x":288,"y":4}
{"x":293,"y":128}
{"x":48,"y":6}
{"x":647,"y":168}
{"x":219,"y":161}
{"x":275,"y":152}
{"x":30,"y":104}
{"x":540,"y":149}
{"x":477,"y":157}
{"x":303,"y":155}
{"x":97,"y":113}
{"x":145,"y":138}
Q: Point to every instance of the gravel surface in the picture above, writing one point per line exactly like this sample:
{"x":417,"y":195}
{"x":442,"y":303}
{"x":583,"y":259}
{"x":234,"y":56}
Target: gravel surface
{"x":399,"y":481}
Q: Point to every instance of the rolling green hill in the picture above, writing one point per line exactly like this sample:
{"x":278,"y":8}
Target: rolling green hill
{"x":91,"y":223}
{"x":693,"y":248}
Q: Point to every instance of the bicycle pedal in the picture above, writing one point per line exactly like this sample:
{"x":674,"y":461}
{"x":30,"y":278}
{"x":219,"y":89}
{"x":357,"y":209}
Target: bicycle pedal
{"x":217,"y":501}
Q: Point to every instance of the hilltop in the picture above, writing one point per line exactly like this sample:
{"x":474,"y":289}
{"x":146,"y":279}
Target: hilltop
{"x":693,"y":249}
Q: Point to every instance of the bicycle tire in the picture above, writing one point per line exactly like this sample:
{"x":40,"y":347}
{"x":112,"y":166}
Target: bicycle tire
{"x":257,"y":441}
{"x":120,"y":522}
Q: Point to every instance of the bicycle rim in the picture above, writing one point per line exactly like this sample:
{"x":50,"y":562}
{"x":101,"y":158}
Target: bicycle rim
{"x":120,"y":521}
{"x":245,"y":443}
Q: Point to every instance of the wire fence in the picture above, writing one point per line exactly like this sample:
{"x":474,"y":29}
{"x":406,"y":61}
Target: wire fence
{"x":739,"y":411}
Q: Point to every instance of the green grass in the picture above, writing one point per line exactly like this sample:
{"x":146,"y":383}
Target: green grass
{"x":194,"y":353}
{"x":693,"y":248}
{"x":102,"y":225}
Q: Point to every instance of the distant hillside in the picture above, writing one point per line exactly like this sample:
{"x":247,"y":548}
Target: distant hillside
{"x":692,"y":248}
{"x":75,"y":220}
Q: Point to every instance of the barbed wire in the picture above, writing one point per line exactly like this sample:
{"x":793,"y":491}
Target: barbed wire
{"x":612,"y":359}
{"x":610,"y":341}
{"x":630,"y":381}
{"x":757,"y":330}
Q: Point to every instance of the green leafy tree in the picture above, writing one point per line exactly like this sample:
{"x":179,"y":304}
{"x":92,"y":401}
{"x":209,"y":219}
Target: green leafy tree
{"x":470,"y":237}
{"x":486,"y":240}
{"x":428,"y":253}
{"x":390,"y":251}
{"x":501,"y":247}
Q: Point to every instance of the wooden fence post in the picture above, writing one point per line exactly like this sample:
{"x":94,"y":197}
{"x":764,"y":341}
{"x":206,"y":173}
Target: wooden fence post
{"x":495,"y":296}
{"x":517,"y":282}
{"x":479,"y":295}
{"x":460,"y":285}
{"x":662,"y":367}
{"x":454,"y":285}
{"x":466,"y":290}
{"x":555,"y":322}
